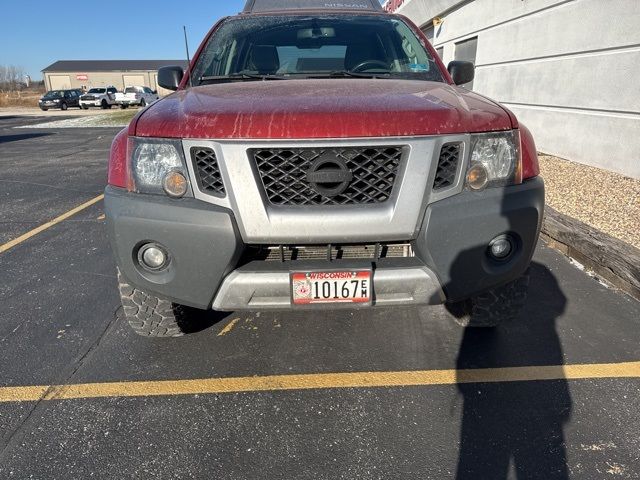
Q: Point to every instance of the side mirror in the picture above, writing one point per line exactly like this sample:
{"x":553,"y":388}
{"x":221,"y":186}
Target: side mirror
{"x":461,"y":72}
{"x":170,"y":77}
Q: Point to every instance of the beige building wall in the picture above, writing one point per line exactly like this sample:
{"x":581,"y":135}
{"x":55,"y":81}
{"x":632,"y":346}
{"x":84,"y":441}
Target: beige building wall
{"x":120,"y":80}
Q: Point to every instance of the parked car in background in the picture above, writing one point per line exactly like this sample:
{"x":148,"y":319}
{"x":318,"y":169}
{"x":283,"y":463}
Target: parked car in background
{"x":62,"y":99}
{"x":136,"y":95}
{"x":99,"y":97}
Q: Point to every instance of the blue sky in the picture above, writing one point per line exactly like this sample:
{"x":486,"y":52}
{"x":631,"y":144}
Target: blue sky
{"x":36,"y":33}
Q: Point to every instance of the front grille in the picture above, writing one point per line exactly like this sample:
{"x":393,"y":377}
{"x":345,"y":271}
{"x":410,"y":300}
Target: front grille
{"x":284,"y":174}
{"x":207,"y":171}
{"x":286,"y":253}
{"x":88,"y":97}
{"x":447,"y":166}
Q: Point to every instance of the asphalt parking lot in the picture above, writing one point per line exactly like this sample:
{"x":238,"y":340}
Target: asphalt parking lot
{"x":389,"y":394}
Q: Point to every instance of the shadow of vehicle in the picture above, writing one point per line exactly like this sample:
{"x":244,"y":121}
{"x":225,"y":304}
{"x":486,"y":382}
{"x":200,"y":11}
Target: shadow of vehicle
{"x":195,"y":320}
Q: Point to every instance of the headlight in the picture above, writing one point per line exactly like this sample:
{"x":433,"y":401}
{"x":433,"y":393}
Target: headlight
{"x":153,"y":160}
{"x":495,"y":160}
{"x":57,"y":100}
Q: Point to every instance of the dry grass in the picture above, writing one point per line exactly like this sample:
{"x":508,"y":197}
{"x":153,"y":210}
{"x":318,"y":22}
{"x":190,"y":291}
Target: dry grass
{"x":25,"y":98}
{"x":605,"y":200}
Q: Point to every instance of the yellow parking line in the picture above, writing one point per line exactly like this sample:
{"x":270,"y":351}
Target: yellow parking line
{"x":55,"y":221}
{"x":318,"y":382}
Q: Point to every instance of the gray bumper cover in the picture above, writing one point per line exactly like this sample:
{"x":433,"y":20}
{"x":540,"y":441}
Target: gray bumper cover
{"x":200,"y":238}
{"x":205,"y":247}
{"x":456,"y":233}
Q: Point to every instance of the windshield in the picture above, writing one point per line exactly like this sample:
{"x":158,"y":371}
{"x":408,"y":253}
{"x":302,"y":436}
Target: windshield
{"x":132,"y":90}
{"x":54,"y":93}
{"x":97,"y":90}
{"x":291,"y":46}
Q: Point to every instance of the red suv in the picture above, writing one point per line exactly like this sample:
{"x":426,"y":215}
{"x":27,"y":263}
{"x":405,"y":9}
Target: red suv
{"x":319,"y":155}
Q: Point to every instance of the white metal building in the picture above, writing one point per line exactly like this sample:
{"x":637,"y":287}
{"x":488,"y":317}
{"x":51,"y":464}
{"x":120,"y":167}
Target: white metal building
{"x":569,"y":69}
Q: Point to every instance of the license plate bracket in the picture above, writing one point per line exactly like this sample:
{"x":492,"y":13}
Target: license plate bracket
{"x":332,"y":287}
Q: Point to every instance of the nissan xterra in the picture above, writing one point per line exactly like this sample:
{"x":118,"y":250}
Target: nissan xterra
{"x":320,"y":155}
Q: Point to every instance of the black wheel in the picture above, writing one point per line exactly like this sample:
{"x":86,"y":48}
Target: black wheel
{"x":494,"y":307}
{"x":84,"y":107}
{"x":104,"y":104}
{"x":44,"y":109}
{"x":64,"y":107}
{"x":143,"y":103}
{"x":123,"y":107}
{"x":150,"y":316}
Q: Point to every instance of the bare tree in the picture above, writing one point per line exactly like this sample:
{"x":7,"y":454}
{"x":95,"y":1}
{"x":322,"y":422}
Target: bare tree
{"x":11,"y":77}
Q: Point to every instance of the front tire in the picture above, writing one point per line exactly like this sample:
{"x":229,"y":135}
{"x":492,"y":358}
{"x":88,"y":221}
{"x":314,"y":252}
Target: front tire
{"x":104,"y":105}
{"x":143,"y":103}
{"x":84,"y":107}
{"x":151,"y":316}
{"x":64,"y":107}
{"x":494,"y":307}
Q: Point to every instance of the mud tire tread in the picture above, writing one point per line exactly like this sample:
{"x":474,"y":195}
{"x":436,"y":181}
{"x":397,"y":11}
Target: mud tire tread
{"x":494,"y":307}
{"x":148,"y":315}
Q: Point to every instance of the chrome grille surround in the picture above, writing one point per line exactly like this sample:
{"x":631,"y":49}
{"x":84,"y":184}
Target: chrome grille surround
{"x":262,"y":223}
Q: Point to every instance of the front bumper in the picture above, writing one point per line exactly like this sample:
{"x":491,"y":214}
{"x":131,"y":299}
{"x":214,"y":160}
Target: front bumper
{"x":90,"y":103}
{"x":205,"y":246}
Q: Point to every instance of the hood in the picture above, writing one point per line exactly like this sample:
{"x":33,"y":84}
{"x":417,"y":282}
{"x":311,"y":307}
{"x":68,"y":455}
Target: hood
{"x":326,"y":108}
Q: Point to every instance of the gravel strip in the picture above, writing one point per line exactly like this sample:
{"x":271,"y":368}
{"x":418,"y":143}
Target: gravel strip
{"x":607,"y":201}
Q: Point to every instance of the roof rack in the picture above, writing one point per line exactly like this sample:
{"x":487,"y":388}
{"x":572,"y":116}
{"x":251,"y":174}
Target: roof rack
{"x":260,"y":6}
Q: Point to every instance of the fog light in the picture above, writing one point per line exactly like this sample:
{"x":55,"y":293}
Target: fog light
{"x":477,"y":177}
{"x":152,"y":257}
{"x":175,"y":184}
{"x":501,"y":247}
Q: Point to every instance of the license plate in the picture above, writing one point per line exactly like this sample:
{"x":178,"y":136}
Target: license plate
{"x":347,"y":286}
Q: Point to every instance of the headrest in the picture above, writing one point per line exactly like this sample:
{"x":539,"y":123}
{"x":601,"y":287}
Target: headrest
{"x":265,"y":58}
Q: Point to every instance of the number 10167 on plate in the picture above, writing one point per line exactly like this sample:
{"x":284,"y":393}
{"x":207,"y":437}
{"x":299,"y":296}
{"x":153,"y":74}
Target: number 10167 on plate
{"x":351,"y":286}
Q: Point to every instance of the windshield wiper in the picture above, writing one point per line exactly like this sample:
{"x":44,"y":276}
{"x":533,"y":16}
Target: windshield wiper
{"x":349,"y":73}
{"x":240,"y":76}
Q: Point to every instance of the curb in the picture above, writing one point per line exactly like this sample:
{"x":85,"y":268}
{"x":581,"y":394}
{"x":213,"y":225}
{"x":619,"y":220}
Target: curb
{"x":613,"y":260}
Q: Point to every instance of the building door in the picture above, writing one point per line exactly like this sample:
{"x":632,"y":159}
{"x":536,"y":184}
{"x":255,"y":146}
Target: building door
{"x":133,"y":81}
{"x":59,"y":82}
{"x":466,"y":50}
